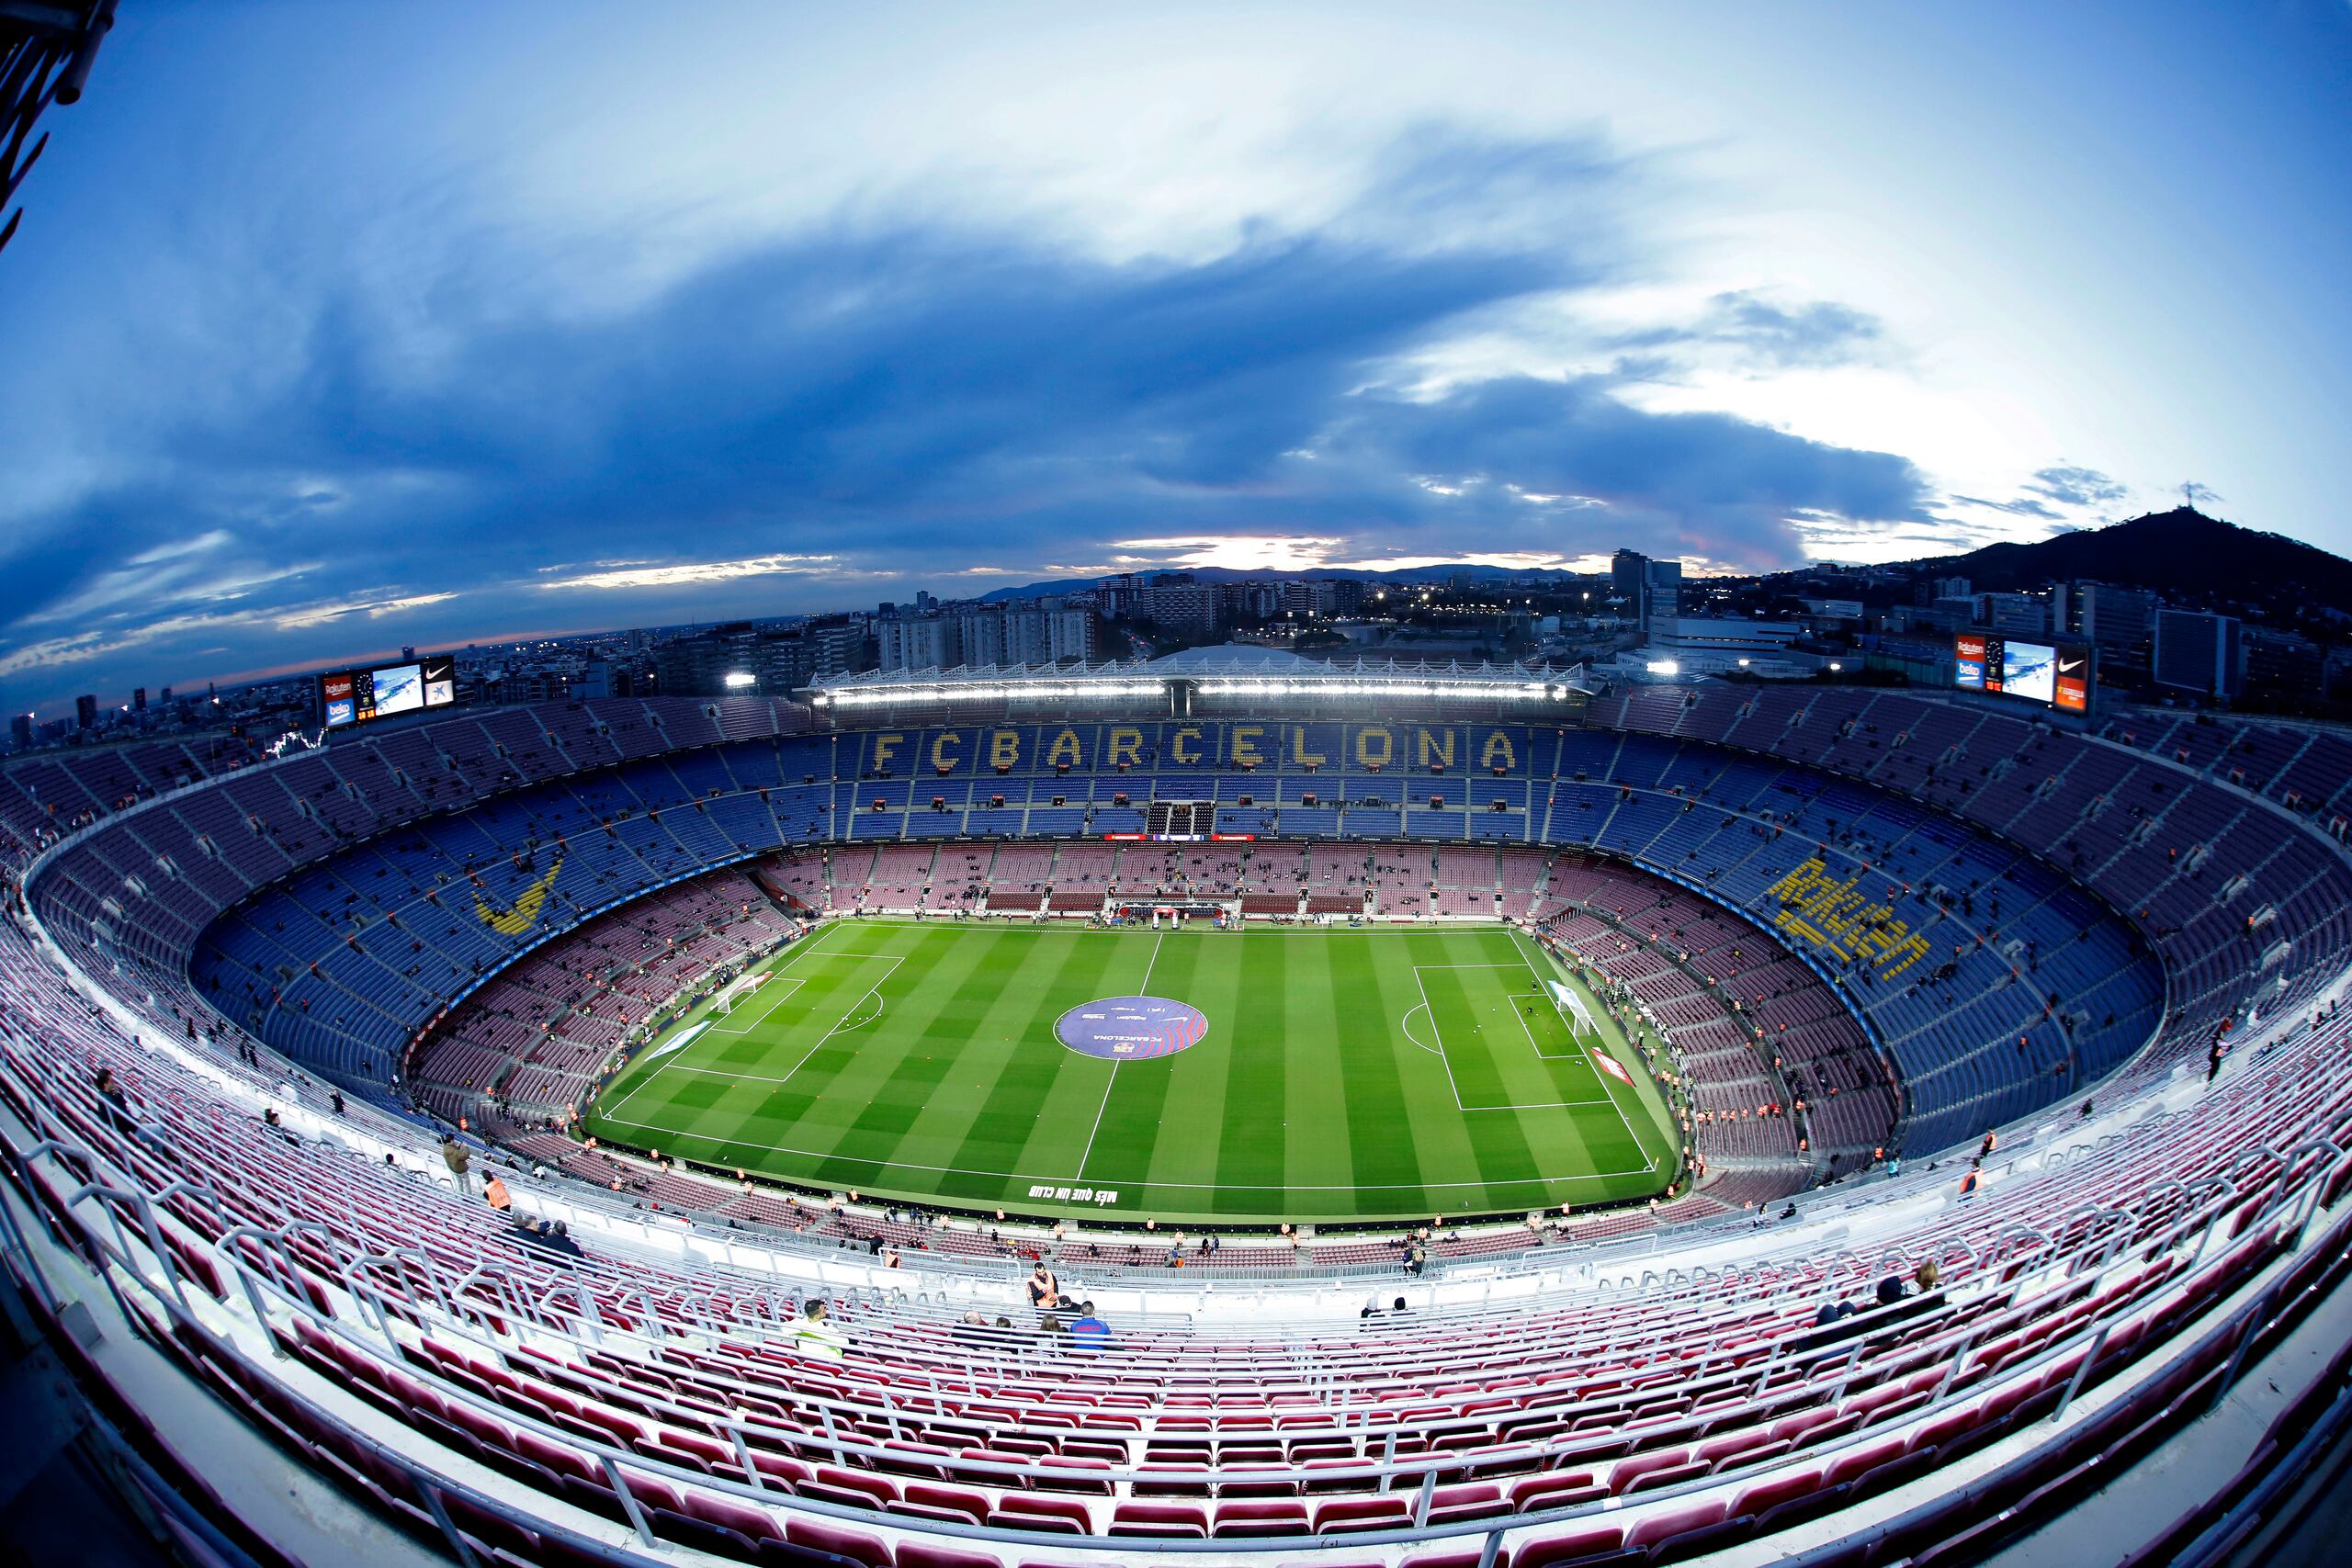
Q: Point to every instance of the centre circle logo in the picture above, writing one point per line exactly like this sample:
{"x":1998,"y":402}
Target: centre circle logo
{"x":1129,"y":1028}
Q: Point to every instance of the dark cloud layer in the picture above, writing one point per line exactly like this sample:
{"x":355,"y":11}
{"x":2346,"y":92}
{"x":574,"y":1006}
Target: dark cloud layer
{"x":913,"y":402}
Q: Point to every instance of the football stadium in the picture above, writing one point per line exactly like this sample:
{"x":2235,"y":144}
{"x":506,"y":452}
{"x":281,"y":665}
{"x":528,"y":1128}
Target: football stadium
{"x":1348,"y":1028}
{"x":1549,"y":1023}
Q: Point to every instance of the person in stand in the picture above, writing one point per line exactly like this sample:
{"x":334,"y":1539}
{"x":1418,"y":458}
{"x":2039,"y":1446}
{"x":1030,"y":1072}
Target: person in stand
{"x":1045,"y":1290}
{"x":815,"y":1337}
{"x":1089,"y":1332}
{"x":460,"y":1163}
{"x":2214,"y":1060}
{"x":497,"y":1195}
{"x":118,"y":1104}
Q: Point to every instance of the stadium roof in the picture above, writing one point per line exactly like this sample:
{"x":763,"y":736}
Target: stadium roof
{"x":1236,"y":670}
{"x":1235,"y":659}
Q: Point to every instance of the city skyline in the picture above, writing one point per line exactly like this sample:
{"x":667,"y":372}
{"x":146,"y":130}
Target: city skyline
{"x":344,"y":345}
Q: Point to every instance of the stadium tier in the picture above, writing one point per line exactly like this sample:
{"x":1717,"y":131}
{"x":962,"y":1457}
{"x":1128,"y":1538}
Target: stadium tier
{"x":1990,"y":979}
{"x":1846,"y":921}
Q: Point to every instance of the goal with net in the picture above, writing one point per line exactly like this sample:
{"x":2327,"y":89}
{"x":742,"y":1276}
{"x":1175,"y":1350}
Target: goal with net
{"x":737,"y":991}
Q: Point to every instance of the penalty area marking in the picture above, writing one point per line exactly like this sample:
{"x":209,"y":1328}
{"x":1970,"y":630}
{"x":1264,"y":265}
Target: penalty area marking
{"x":1649,"y":1160}
{"x":840,"y":1025}
{"x":785,"y":985}
{"x":1578,"y":1057}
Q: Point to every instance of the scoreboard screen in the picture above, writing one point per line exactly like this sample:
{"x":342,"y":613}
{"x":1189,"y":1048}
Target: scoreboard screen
{"x":2054,"y":676}
{"x":355,"y":696}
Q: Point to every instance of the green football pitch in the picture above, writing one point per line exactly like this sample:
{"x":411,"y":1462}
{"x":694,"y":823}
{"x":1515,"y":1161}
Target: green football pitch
{"x":1341,"y":1075}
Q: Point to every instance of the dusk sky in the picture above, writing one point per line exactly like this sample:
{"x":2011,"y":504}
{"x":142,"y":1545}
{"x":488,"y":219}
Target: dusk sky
{"x":333,"y":327}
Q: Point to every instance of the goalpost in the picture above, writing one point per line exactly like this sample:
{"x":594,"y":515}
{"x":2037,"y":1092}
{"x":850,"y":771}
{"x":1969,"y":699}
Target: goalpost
{"x":736,"y":991}
{"x":1579,"y":1016}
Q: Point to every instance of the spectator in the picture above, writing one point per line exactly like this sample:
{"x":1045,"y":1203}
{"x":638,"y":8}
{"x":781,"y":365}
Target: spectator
{"x":460,"y":1163}
{"x":817,"y":1337}
{"x":1090,"y":1332}
{"x":497,"y":1196}
{"x":1927,"y":1276}
{"x":118,"y":1105}
{"x":1889,"y":1289}
{"x":335,"y":1099}
{"x":1045,"y":1290}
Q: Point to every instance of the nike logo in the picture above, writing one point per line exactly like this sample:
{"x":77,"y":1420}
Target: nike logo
{"x":524,"y":913}
{"x":2067,"y":666}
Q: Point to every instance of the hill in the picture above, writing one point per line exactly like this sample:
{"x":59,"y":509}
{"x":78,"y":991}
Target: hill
{"x":2182,"y":554}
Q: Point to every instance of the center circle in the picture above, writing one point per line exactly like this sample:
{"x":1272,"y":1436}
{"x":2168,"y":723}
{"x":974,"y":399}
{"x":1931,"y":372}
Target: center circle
{"x":1129,"y":1028}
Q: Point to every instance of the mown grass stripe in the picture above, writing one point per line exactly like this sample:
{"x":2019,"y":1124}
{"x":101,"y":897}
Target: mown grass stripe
{"x":1385,"y":1153}
{"x":1306,"y":1100}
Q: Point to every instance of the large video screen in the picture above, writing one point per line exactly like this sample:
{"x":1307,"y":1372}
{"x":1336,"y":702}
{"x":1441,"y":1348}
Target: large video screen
{"x":2029,"y":669}
{"x":2054,"y":676}
{"x":356,"y":696}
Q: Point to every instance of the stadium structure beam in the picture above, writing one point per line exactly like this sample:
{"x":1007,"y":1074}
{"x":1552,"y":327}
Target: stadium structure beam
{"x":46,"y":52}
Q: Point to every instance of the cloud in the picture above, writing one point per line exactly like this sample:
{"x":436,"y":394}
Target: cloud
{"x":305,"y":616}
{"x":2022,"y":506}
{"x":900,"y":400}
{"x":1689,"y":483}
{"x":1760,"y":333}
{"x":1817,"y":332}
{"x":2071,"y":486}
{"x":693,"y":572}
